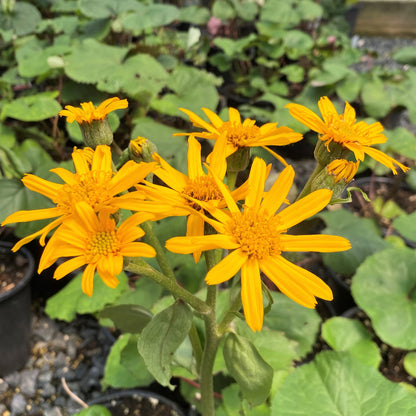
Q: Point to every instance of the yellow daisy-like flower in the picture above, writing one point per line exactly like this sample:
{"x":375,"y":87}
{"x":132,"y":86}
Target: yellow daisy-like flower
{"x":344,"y":129}
{"x":183,"y":193}
{"x":96,"y":242}
{"x":257,"y":237}
{"x":342,"y":170}
{"x":89,"y":113}
{"x":241,"y":134}
{"x":94,"y":182}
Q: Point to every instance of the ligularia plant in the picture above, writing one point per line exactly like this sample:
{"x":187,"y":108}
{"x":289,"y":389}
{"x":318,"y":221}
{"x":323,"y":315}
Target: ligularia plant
{"x":246,"y":234}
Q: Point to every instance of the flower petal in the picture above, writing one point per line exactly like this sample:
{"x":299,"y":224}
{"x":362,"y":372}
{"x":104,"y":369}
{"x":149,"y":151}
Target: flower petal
{"x":187,"y":245}
{"x":320,"y":242}
{"x":306,"y":117}
{"x":88,"y":279}
{"x":194,"y":158}
{"x":251,"y":294}
{"x":304,"y":208}
{"x":226,"y":268}
{"x":256,"y":184}
{"x":68,"y":267}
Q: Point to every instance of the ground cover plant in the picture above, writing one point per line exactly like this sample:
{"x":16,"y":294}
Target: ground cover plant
{"x":181,"y":171}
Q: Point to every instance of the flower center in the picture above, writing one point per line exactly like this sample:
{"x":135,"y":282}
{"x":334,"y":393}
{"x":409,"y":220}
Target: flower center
{"x":342,"y":132}
{"x":91,"y":187}
{"x":258,"y":236}
{"x":239,"y":134}
{"x":103,"y":243}
{"x":202,"y":188}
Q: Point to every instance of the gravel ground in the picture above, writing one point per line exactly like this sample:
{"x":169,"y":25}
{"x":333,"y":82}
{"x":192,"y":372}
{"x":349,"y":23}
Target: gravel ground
{"x":74,"y":351}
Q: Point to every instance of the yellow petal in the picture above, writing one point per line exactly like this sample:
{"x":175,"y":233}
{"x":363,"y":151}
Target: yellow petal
{"x":226,"y":268}
{"x":194,"y":158}
{"x":137,"y":249}
{"x":187,"y":245}
{"x":195,"y":227}
{"x":287,"y":282}
{"x":67,"y":176}
{"x":68,"y":267}
{"x":385,"y":159}
{"x":304,"y":208}
{"x":349,"y":114}
{"x":256,"y":184}
{"x":320,"y":242}
{"x":80,"y":163}
{"x":217,"y":160}
{"x":234,"y":115}
{"x":213,"y":118}
{"x":101,"y":160}
{"x":306,"y":117}
{"x":327,"y":109}
{"x":170,"y":176}
{"x":88,"y":279}
{"x":198,"y":122}
{"x":251,"y":294}
{"x":42,"y":186}
{"x":32,"y":215}
{"x":275,"y":197}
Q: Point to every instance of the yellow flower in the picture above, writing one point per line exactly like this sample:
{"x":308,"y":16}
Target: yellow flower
{"x":241,"y":135}
{"x":89,"y":113}
{"x":136,"y":146}
{"x":344,"y":129}
{"x":183,"y":193}
{"x":343,"y":169}
{"x":258,"y":237}
{"x":93,"y":182}
{"x":96,"y":242}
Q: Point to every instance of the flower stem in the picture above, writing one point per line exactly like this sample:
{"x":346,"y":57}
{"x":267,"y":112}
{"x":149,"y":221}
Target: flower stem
{"x":151,"y":238}
{"x":139,"y":266}
{"x":208,"y":355}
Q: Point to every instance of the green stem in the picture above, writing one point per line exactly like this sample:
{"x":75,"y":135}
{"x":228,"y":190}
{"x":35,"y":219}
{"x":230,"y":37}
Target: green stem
{"x":208,"y":355}
{"x":231,"y":180}
{"x":140,"y":267}
{"x":308,"y":186}
{"x":151,"y":238}
{"x":230,"y":315}
{"x":196,"y":345}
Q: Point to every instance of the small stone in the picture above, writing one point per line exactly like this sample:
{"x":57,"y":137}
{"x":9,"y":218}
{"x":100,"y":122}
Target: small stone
{"x":60,"y":360}
{"x":46,"y":330}
{"x":28,"y":382}
{"x":18,"y":404}
{"x":3,"y":409}
{"x":4,"y":386}
{"x":48,"y":390}
{"x":53,"y":412}
{"x":44,"y":377}
{"x":13,"y":379}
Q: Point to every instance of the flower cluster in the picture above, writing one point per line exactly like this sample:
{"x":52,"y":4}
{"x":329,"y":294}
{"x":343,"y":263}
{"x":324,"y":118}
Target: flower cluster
{"x":249,"y":223}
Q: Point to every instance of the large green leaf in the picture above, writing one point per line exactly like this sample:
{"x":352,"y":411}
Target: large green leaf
{"x":160,"y":339}
{"x":248,"y":368}
{"x":343,"y":334}
{"x":375,"y":99}
{"x":72,"y":300}
{"x":34,"y":107}
{"x":406,"y":226}
{"x":336,"y":384}
{"x":150,"y":16}
{"x":363,"y":234}
{"x":125,"y":367}
{"x":192,"y":88}
{"x":295,"y":321}
{"x":100,"y":9}
{"x":23,"y":19}
{"x":92,"y":61}
{"x":127,"y":317}
{"x":406,"y":55}
{"x":402,"y":141}
{"x":384,"y":287}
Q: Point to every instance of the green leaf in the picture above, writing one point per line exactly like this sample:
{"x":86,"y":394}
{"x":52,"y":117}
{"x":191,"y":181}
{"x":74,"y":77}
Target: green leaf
{"x":375,"y":100}
{"x":406,"y":55}
{"x":95,"y":410}
{"x":248,"y":368}
{"x":100,"y":9}
{"x":124,"y":367}
{"x":34,"y":107}
{"x":409,"y":363}
{"x":93,"y":61}
{"x":194,"y":15}
{"x":150,"y":16}
{"x":295,"y":321}
{"x":331,"y":73}
{"x":160,"y":339}
{"x":222,"y":9}
{"x":72,"y":300}
{"x":384,"y":288}
{"x":65,"y":24}
{"x":294,"y":73}
{"x":406,"y":226}
{"x":363,"y":233}
{"x":192,"y":88}
{"x":349,"y":87}
{"x":336,"y":384}
{"x":127,"y":318}
{"x":343,"y":334}
{"x":297,"y":43}
{"x":22,"y":20}
{"x":401,"y":141}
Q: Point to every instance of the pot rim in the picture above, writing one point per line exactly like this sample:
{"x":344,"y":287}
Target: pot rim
{"x":138,"y":392}
{"x":27,"y":276}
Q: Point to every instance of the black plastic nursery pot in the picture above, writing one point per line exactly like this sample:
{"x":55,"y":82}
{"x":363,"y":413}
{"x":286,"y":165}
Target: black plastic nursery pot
{"x":15,"y":307}
{"x":138,"y":402}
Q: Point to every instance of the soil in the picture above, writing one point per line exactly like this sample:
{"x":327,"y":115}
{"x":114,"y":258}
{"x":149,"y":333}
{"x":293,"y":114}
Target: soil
{"x":391,"y":365}
{"x":13,"y":267}
{"x":137,"y":405}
